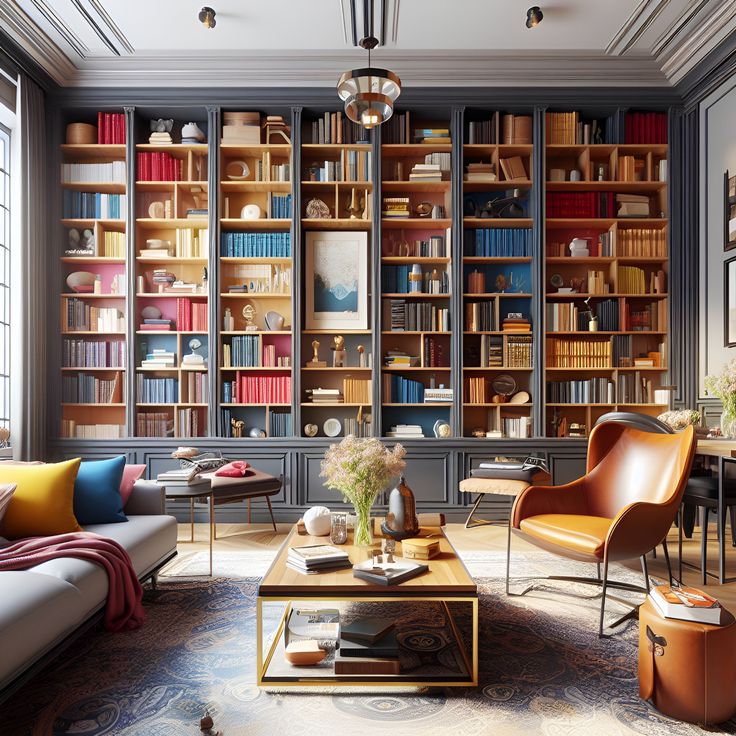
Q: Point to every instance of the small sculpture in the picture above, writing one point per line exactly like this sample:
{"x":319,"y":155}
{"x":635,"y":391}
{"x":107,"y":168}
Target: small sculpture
{"x":162,"y":125}
{"x":257,"y":433}
{"x":316,"y":362}
{"x":355,"y":206}
{"x":389,"y":549}
{"x":238,"y":425}
{"x":249,"y":315}
{"x":339,"y":356}
{"x":228,"y":321}
{"x":192,"y":133}
{"x":401,"y":520}
{"x":310,"y":430}
{"x":274,"y":321}
{"x":442,"y":429}
{"x":316,"y":209}
{"x":361,"y":356}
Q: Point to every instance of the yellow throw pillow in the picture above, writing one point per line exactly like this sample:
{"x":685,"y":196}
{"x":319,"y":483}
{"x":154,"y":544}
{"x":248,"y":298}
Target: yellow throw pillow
{"x":43,"y":502}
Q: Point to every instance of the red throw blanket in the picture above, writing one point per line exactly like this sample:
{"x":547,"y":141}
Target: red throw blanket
{"x":235,"y":469}
{"x":124,"y":610}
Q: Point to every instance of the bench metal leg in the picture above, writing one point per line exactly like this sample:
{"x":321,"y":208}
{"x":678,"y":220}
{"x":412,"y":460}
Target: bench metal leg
{"x":471,"y":522}
{"x":270,"y":511}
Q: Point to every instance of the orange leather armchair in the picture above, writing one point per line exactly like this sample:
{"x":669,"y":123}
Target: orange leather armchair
{"x":621,"y":509}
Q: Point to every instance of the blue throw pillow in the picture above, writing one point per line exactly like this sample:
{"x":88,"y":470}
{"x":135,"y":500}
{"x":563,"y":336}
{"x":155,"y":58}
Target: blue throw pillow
{"x":97,"y":497}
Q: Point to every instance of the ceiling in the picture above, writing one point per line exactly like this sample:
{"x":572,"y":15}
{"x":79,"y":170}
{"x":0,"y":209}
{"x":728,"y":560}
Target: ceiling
{"x":309,"y":42}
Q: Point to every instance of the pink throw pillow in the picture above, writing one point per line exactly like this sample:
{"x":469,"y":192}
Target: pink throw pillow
{"x":131,"y":473}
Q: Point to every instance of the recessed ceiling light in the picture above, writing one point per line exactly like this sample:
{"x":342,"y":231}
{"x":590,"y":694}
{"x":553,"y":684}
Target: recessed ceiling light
{"x":207,"y":17}
{"x":534,"y":16}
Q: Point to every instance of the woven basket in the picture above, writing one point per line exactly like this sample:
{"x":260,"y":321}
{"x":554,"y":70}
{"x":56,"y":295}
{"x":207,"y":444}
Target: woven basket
{"x":78,"y":133}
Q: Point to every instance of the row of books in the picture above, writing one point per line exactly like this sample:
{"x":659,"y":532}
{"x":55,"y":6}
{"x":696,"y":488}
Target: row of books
{"x":642,"y":242}
{"x":280,"y":424}
{"x":397,"y":129}
{"x":414,"y":317}
{"x":335,"y":127}
{"x":191,"y":315}
{"x":356,"y":390}
{"x":634,"y":280}
{"x":512,"y":130}
{"x":154,"y":424}
{"x":156,"y":390}
{"x":243,"y":351}
{"x":97,"y":205}
{"x":434,"y":247}
{"x":477,"y":390}
{"x":84,"y":388}
{"x":195,"y":388}
{"x":351,"y":425}
{"x":401,"y":280}
{"x":191,"y":422}
{"x":396,"y":207}
{"x":438,"y":159}
{"x":487,"y":353}
{"x":278,"y":206}
{"x":481,"y":316}
{"x":83,"y":317}
{"x":646,"y":127}
{"x":256,"y":245}
{"x":113,"y":244}
{"x":650,"y":318}
{"x":433,"y":353}
{"x":159,"y":166}
{"x":511,"y":242}
{"x":634,"y":388}
{"x":584,"y":391}
{"x":246,"y":389}
{"x":623,"y":354}
{"x":581,"y":204}
{"x":562,"y":353}
{"x":76,"y":353}
{"x":111,"y":128}
{"x":113,"y":172}
{"x":401,"y":390}
{"x":266,"y":169}
{"x":567,"y":128}
{"x":518,"y":351}
{"x":568,"y":316}
{"x":357,"y":165}
{"x":71,"y":429}
{"x":603,"y":246}
{"x":516,"y":427}
{"x":271,"y":359}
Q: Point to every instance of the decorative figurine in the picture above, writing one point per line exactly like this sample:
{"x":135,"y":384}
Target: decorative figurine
{"x":401,"y":520}
{"x":228,"y":321}
{"x":238,"y":425}
{"x":389,"y":548}
{"x":257,"y":433}
{"x":316,"y":209}
{"x":194,"y":359}
{"x":355,"y":206}
{"x":365,"y":205}
{"x":339,"y":356}
{"x":361,"y":356}
{"x":316,"y":362}
{"x":249,"y":314}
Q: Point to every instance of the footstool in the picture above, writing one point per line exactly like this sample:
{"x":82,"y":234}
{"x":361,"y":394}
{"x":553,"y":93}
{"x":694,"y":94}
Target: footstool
{"x":686,"y":669}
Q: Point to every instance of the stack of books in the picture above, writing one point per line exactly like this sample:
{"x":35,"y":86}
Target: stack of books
{"x":516,"y":323}
{"x":632,"y":205}
{"x":162,"y":278}
{"x":159,"y":358}
{"x":242,"y":128}
{"x":162,"y":138}
{"x":316,"y":558}
{"x":481,"y":172}
{"x":326,"y":395}
{"x":437,"y":395}
{"x":425,"y":172}
{"x":400,"y":359}
{"x":396,"y":207}
{"x":151,"y":324}
{"x":181,"y":478}
{"x":406,"y":431}
{"x":432,"y":135}
{"x":368,"y":646}
{"x":686,"y":604}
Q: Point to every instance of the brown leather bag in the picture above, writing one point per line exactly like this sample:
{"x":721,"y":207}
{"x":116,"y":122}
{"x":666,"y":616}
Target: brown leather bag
{"x":687,"y":670}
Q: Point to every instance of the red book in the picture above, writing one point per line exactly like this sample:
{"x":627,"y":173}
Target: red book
{"x":100,"y":127}
{"x":108,"y":127}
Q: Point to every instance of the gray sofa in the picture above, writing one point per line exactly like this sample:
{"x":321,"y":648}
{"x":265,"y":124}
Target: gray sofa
{"x":42,"y":608}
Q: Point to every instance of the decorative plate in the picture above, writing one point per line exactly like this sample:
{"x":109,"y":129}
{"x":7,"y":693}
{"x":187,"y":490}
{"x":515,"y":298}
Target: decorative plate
{"x":332,"y":427}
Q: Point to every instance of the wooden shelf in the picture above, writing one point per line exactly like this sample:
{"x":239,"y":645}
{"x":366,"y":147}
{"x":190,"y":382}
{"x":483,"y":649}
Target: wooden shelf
{"x":255,"y":368}
{"x":332,"y":223}
{"x":415,"y":223}
{"x":255,"y":149}
{"x":505,"y":368}
{"x":430,"y":404}
{"x":634,"y":187}
{"x":90,"y":222}
{"x":92,"y":151}
{"x":254,"y":295}
{"x":96,"y":368}
{"x":91,"y":259}
{"x":328,"y":369}
{"x":105,"y":186}
{"x":401,"y":150}
{"x":602,"y":223}
{"x":419,"y":259}
{"x":270,"y":224}
{"x":416,"y":368}
{"x":415,"y":295}
{"x":75,"y":295}
{"x":331,"y":149}
{"x":494,"y":186}
{"x":497,"y":259}
{"x":612,"y":295}
{"x":256,"y":186}
{"x":173,"y":148}
{"x":415,"y":186}
{"x":334,"y":404}
{"x":94,"y":405}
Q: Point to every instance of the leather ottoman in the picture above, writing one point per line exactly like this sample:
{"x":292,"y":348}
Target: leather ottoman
{"x":687,"y":670}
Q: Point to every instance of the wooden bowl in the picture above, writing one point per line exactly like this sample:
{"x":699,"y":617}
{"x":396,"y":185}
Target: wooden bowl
{"x":81,"y":133}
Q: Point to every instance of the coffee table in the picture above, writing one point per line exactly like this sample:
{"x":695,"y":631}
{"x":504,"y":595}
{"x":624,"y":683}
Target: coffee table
{"x":446,"y":582}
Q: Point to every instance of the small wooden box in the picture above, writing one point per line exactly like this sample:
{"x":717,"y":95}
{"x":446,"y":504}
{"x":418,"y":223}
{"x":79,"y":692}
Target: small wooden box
{"x":420,"y":549}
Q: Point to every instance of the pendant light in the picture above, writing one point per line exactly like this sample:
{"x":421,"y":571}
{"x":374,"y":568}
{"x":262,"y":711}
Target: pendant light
{"x":369,"y":93}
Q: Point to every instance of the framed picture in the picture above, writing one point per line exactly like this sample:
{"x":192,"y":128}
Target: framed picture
{"x":729,"y":305}
{"x":336,"y":280}
{"x":729,"y":212}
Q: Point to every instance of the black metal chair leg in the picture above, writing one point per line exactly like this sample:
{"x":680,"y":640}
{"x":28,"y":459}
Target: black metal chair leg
{"x":645,"y":570}
{"x":732,"y":514}
{"x":598,"y":569}
{"x":508,"y":557}
{"x":666,"y":551}
{"x":679,"y":545}
{"x":704,"y":544}
{"x":603,"y":597}
{"x":654,"y":553}
{"x":270,"y":511}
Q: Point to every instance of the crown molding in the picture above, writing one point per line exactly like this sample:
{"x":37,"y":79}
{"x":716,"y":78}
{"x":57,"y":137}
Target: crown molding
{"x":635,"y":26}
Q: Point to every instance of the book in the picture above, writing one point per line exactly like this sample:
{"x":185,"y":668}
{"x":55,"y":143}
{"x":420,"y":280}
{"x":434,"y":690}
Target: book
{"x":313,"y":555}
{"x":388,"y":573}
{"x":367,"y":630}
{"x":386,"y":646}
{"x":317,"y":569}
{"x":366,"y":666}
{"x":686,"y":604}
{"x":312,"y":624}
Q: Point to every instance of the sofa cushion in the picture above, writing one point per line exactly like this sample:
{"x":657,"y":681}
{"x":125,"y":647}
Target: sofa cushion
{"x":43,"y":500}
{"x":97,"y":498}
{"x":146,"y":538}
{"x":131,"y":473}
{"x":37,"y":611}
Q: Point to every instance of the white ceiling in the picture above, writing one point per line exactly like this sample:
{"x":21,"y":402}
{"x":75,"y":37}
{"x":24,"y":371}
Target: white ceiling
{"x":308,"y":42}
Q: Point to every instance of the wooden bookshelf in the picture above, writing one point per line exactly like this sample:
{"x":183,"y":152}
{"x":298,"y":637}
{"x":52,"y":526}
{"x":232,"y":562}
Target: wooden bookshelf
{"x":618,"y":205}
{"x":171,"y":242}
{"x":497,"y":275}
{"x":416,"y":243}
{"x":256,"y":265}
{"x":337,"y":171}
{"x":93,"y":234}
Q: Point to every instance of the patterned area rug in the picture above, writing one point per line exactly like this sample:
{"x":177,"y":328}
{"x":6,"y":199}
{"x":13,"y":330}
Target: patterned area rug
{"x":543,"y":669}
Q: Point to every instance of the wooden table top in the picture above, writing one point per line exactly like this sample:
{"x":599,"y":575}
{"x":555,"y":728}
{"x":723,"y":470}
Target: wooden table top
{"x":446,"y":575}
{"x":716,"y":448}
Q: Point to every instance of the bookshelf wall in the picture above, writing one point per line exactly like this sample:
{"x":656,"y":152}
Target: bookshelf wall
{"x":466,"y":214}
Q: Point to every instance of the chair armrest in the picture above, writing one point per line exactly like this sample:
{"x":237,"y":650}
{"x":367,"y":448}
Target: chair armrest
{"x":638,"y":528}
{"x":147,"y":499}
{"x":535,"y":500}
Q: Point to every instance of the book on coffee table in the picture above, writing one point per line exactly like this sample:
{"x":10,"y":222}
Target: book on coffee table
{"x":388,"y":573}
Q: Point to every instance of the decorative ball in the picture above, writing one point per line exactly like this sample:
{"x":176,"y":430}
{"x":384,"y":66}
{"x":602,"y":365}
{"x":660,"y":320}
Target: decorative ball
{"x":257,"y":433}
{"x":317,"y":521}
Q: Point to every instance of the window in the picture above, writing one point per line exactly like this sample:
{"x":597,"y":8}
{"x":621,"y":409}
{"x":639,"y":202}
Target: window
{"x":4,"y":277}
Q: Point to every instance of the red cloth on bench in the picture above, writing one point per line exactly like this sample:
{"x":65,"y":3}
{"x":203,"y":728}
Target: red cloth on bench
{"x":124,"y":609}
{"x":235,"y":469}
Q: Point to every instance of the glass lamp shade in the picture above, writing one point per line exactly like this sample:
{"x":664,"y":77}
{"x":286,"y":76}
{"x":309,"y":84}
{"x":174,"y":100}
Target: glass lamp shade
{"x":369,"y":95}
